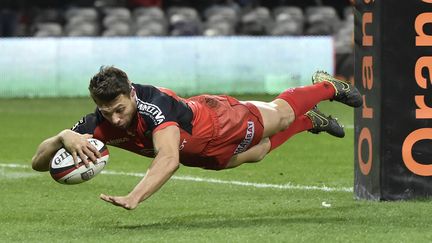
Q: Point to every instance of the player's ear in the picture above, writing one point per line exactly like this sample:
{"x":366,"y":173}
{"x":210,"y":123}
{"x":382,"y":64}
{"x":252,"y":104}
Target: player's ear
{"x":133,"y":92}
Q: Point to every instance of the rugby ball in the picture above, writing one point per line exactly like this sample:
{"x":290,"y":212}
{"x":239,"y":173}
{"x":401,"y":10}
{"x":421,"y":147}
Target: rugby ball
{"x":63,"y":170}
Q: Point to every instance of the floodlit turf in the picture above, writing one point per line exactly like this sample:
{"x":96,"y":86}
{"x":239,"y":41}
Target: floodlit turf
{"x":34,"y":208}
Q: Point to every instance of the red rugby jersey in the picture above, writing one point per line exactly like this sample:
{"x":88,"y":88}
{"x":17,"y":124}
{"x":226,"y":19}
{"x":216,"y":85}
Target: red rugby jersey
{"x":157,"y":108}
{"x":212,"y":128}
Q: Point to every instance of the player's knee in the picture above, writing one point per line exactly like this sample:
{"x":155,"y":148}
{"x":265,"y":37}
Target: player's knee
{"x":263,"y":149}
{"x":286,"y":122}
{"x":286,"y":115}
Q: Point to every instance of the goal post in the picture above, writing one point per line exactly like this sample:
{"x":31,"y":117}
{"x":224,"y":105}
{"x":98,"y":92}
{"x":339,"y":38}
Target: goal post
{"x":393,"y":71}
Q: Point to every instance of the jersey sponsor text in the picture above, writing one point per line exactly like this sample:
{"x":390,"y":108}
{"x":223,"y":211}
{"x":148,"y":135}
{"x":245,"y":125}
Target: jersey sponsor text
{"x":151,"y":110}
{"x":250,"y":131}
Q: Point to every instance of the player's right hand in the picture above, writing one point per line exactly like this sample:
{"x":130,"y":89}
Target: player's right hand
{"x":78,"y":145}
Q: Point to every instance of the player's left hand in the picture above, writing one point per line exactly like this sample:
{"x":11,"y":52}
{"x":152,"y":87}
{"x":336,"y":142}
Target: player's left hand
{"x":124,"y":202}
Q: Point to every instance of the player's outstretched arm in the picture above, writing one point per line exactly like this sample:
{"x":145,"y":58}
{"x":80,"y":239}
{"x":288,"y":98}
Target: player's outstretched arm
{"x":75,"y":143}
{"x":166,"y":143}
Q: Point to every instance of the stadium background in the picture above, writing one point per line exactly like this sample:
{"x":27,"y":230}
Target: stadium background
{"x":302,"y":192}
{"x":214,"y":46}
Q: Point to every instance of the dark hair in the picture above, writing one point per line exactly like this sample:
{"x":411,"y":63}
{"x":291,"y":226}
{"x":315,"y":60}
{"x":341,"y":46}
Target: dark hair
{"x":109,"y":83}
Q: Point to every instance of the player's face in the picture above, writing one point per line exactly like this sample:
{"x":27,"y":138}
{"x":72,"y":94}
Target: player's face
{"x":120,"y":111}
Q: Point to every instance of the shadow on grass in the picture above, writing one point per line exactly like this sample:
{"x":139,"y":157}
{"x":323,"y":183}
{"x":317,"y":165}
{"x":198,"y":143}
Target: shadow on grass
{"x":232,"y":221}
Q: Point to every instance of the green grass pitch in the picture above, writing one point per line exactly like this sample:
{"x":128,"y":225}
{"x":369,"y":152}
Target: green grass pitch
{"x":34,"y":208}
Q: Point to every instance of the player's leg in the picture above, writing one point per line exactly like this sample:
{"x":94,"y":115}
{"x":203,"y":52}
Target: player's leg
{"x":278,"y":114}
{"x":279,"y":126}
{"x":302,"y":99}
{"x":294,"y":111}
{"x":293,"y":103}
{"x":259,"y":151}
{"x":313,"y":121}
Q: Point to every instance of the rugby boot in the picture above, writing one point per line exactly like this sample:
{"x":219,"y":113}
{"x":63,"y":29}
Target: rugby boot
{"x":344,"y":92}
{"x":323,"y":123}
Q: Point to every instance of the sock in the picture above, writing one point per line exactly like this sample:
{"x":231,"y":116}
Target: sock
{"x":302,"y":99}
{"x":300,"y":124}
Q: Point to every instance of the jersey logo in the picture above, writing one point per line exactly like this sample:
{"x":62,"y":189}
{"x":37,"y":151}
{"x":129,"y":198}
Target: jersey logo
{"x":151,"y":110}
{"x":245,"y":143}
{"x":79,"y":123}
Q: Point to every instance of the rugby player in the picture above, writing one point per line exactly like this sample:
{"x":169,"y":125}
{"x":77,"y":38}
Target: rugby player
{"x":209,"y":131}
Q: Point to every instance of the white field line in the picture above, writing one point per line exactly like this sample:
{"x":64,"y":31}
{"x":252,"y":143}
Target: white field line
{"x":288,"y":186}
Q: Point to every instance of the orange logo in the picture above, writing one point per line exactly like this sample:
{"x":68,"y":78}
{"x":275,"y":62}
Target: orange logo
{"x":410,"y":162}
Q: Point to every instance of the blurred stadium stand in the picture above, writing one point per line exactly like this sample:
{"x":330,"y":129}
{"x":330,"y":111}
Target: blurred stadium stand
{"x":53,"y":18}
